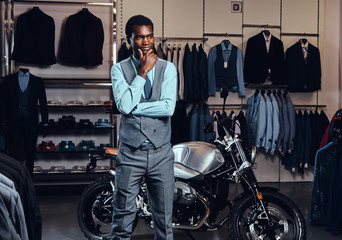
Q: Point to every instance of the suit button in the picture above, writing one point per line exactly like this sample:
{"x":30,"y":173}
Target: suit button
{"x":154,"y":130}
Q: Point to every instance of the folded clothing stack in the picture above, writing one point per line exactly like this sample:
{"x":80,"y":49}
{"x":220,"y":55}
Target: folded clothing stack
{"x":103,"y":123}
{"x":74,"y":103}
{"x":47,"y":146}
{"x":78,"y":169}
{"x":87,"y":145}
{"x":66,"y":146}
{"x":67,"y":122}
{"x":95,"y":103}
{"x":38,"y":169}
{"x":102,"y":169}
{"x":54,"y":103}
{"x":56,"y":169}
{"x":84,"y":123}
{"x":103,"y":147}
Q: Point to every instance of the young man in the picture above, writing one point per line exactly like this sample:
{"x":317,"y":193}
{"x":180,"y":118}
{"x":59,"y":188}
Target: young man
{"x":144,"y":88}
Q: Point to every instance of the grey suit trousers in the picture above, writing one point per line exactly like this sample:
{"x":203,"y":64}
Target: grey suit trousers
{"x":157,"y":167}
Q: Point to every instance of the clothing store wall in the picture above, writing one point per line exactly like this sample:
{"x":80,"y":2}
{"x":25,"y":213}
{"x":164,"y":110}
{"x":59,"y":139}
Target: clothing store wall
{"x":70,"y":89}
{"x":194,"y":18}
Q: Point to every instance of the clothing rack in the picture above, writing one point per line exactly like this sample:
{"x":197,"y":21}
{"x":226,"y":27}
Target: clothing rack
{"x":64,"y":2}
{"x":228,"y":105}
{"x":163,"y":39}
{"x":265,"y":86}
{"x":261,"y":26}
{"x":222,"y":35}
{"x":300,"y":34}
{"x":310,"y":106}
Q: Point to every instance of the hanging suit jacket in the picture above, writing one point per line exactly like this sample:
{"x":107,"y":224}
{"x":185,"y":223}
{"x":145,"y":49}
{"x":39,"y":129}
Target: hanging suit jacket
{"x":34,"y":39}
{"x":303,"y":76}
{"x":83,"y":39}
{"x":9,"y":101}
{"x":188,"y":73}
{"x":257,"y":58}
{"x":203,"y":74}
{"x":256,"y":119}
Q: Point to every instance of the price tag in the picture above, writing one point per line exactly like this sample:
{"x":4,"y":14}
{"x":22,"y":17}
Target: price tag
{"x":225,"y":64}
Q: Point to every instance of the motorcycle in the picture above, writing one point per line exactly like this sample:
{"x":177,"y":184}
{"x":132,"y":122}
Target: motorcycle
{"x":203,"y":174}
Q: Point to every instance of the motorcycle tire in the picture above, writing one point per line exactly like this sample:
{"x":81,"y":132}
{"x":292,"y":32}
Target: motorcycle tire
{"x":287,"y":221}
{"x":95,"y":209}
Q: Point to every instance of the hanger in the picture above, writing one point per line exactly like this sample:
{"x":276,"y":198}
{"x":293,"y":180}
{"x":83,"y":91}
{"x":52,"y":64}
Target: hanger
{"x":256,"y":92}
{"x":226,"y":41}
{"x":266,"y":31}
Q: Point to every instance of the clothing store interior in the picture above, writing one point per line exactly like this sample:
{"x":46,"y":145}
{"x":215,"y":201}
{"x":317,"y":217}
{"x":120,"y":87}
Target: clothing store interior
{"x":272,"y":68}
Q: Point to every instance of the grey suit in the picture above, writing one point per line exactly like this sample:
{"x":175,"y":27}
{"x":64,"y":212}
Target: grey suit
{"x":144,"y":152}
{"x":256,"y":119}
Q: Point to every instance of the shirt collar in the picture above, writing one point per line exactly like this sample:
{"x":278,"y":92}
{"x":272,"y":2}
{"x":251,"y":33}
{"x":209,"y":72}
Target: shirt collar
{"x":267,"y":38}
{"x":22,"y":74}
{"x":306,"y":45}
{"x":224,"y":47}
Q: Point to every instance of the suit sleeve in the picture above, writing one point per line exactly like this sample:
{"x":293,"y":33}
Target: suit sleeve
{"x":43,"y":103}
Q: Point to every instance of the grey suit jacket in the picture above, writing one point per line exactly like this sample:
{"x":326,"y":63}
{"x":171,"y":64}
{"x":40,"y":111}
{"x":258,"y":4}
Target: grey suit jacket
{"x":15,"y":209}
{"x":267,"y":139}
{"x":256,"y":119}
{"x":275,"y":123}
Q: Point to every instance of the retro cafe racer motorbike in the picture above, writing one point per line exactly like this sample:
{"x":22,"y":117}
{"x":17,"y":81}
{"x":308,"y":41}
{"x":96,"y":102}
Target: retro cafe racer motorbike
{"x":203,"y":173}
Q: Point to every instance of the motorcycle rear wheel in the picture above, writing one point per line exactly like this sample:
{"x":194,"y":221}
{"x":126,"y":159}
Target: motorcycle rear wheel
{"x":287,"y":222}
{"x":95,"y":209}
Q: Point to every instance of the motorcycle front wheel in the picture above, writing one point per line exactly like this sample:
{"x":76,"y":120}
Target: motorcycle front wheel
{"x":286,"y":220}
{"x":95,"y":209}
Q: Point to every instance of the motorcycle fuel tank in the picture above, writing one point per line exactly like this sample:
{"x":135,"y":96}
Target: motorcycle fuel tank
{"x":195,"y":158}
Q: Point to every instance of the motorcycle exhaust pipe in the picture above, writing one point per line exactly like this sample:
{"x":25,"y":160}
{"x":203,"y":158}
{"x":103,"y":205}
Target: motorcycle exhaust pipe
{"x":199,"y":223}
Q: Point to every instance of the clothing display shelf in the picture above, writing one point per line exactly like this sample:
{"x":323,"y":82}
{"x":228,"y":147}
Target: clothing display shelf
{"x":69,"y":177}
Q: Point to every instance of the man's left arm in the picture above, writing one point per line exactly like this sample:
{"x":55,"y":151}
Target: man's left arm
{"x":166,"y":105}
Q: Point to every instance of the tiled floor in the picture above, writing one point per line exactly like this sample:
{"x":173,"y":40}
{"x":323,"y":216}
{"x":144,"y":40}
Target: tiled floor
{"x":59,"y":215}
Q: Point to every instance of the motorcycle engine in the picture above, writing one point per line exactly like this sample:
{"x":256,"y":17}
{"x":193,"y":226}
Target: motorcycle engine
{"x":184,"y":194}
{"x":188,"y":210}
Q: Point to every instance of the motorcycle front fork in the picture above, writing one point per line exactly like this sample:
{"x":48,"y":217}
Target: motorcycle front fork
{"x":251,"y":182}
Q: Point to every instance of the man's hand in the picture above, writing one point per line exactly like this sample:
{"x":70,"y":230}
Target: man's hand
{"x":147,"y":62}
{"x":108,"y":106}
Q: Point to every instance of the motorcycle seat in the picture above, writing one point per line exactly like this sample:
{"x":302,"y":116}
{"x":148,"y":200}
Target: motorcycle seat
{"x":112,"y":151}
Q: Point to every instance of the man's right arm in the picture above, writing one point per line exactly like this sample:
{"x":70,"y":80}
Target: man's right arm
{"x":126,"y":96}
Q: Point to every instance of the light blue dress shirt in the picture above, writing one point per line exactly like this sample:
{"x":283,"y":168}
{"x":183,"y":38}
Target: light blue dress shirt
{"x":211,"y":69}
{"x":23,"y":79}
{"x":127,"y":97}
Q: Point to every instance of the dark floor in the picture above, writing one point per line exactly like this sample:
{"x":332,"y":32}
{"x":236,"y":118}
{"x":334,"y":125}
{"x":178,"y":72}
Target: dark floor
{"x":59,"y":215}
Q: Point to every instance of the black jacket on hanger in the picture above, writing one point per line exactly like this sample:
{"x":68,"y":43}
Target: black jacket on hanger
{"x":83,"y":39}
{"x":188,"y":73}
{"x":34,"y":39}
{"x":303,"y":76}
{"x":257,"y":59}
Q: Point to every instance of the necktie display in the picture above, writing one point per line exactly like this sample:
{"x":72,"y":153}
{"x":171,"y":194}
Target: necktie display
{"x":147,"y":88}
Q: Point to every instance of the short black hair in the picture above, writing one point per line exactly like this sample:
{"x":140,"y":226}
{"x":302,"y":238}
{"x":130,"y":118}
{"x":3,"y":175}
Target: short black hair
{"x":139,"y":20}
